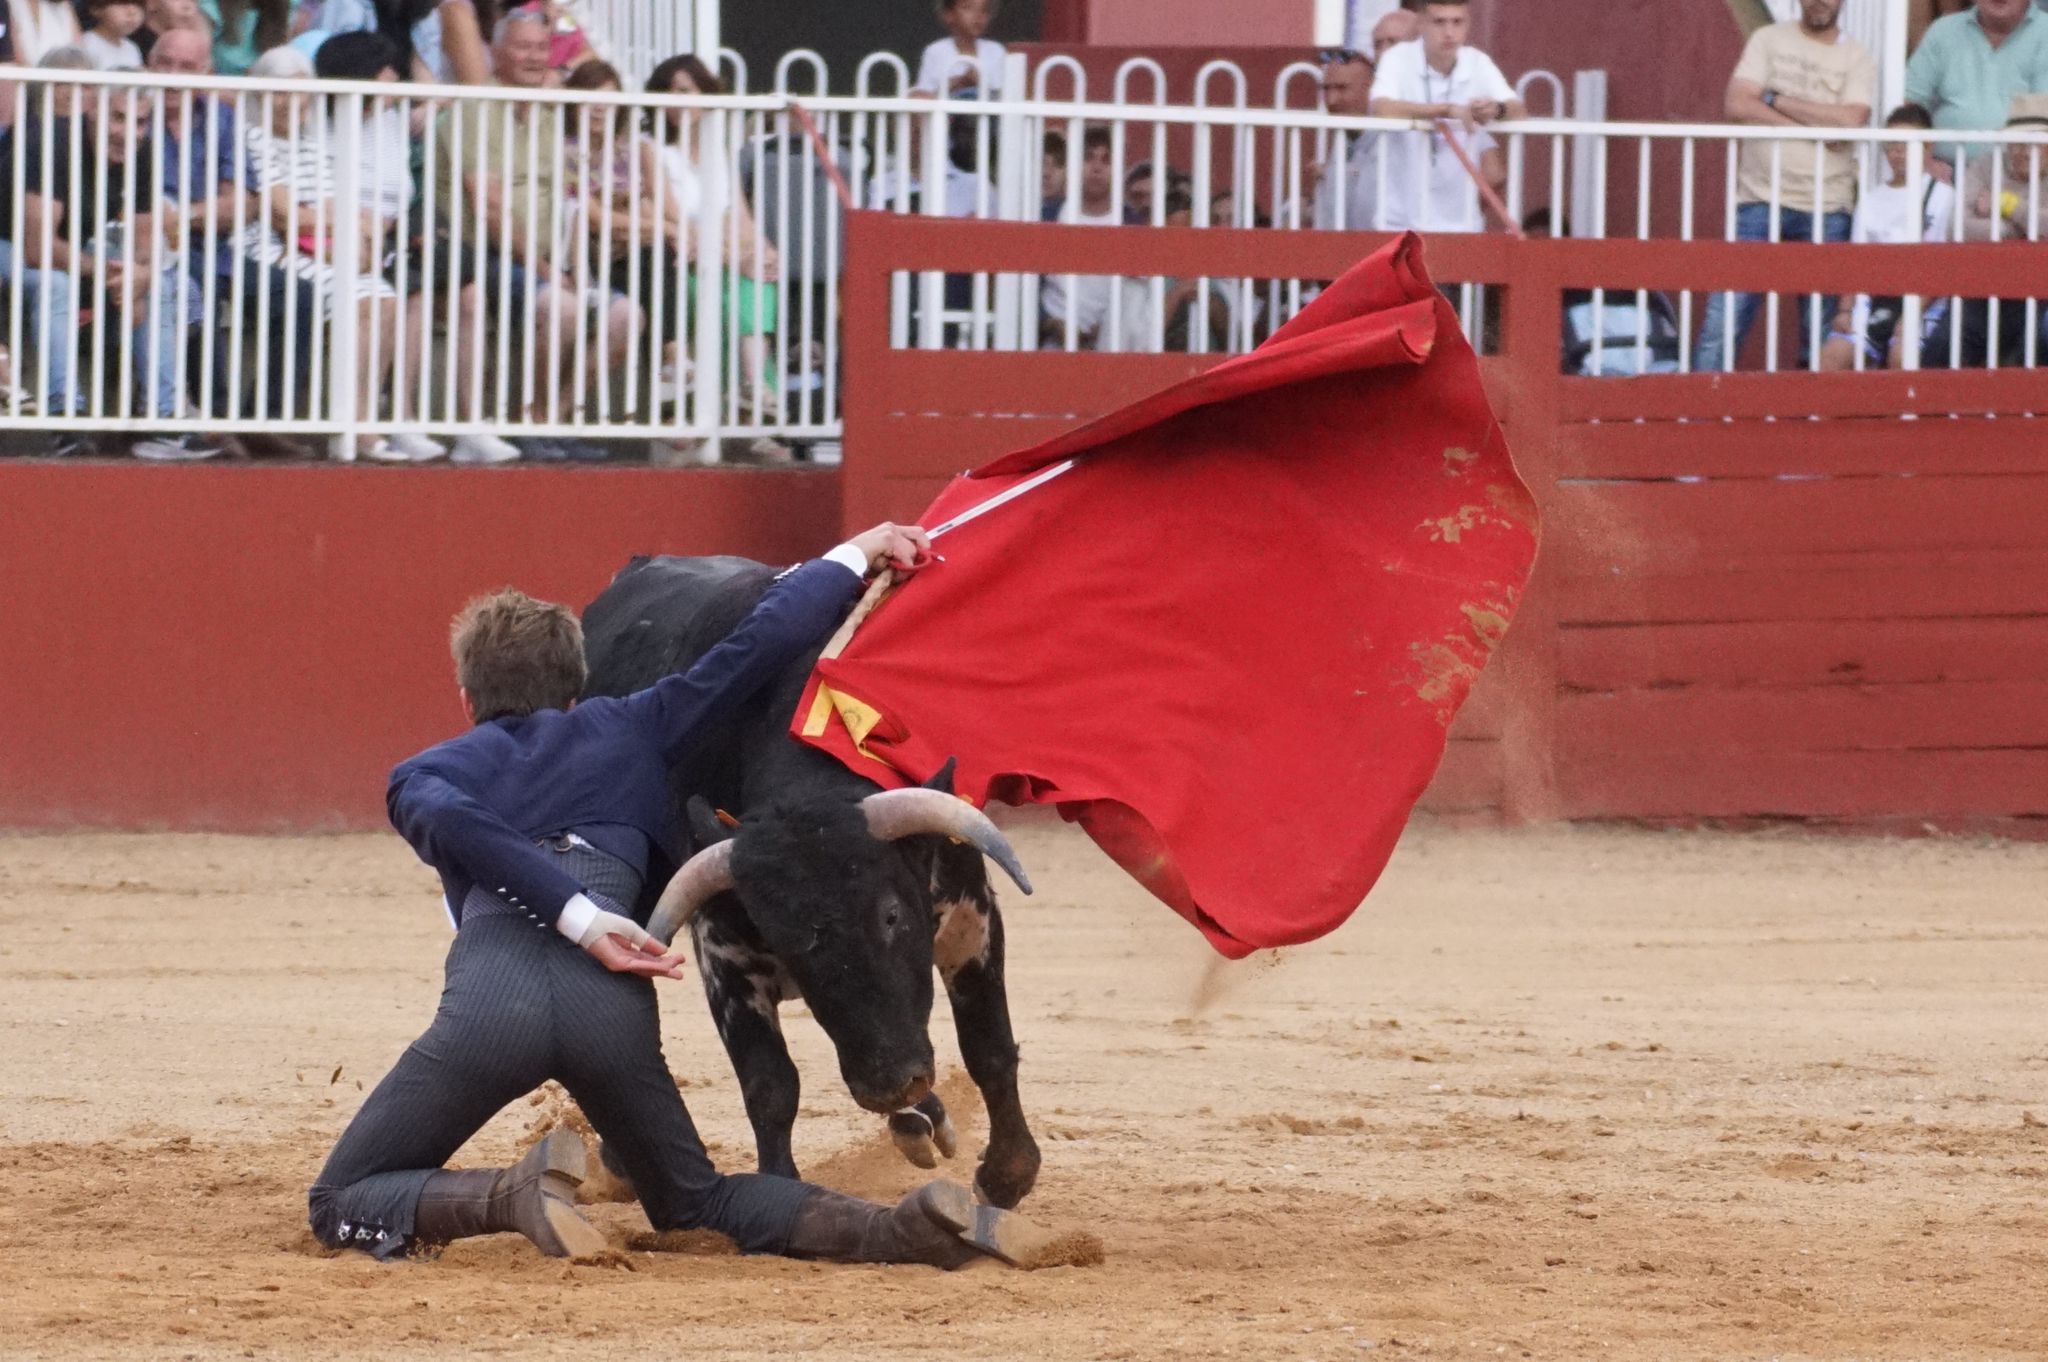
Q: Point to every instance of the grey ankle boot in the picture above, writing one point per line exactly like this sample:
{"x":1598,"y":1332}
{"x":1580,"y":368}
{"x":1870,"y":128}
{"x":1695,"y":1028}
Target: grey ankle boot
{"x":938,"y":1224}
{"x":535,"y":1197}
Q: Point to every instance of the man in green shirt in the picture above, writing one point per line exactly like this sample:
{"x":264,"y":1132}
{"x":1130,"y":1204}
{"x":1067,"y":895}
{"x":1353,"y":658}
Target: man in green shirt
{"x":1971,"y":65}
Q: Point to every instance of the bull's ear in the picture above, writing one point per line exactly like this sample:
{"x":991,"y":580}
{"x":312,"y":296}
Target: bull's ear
{"x":705,"y":829}
{"x":942,"y":779}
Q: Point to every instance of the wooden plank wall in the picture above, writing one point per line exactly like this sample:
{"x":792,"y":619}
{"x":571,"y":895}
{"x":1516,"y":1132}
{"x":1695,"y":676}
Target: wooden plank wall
{"x":1761,"y":596}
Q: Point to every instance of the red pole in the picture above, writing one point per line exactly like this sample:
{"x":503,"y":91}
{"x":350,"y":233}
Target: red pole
{"x":1485,"y":190}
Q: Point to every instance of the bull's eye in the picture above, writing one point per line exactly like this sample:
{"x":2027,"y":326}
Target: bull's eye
{"x":890,"y":921}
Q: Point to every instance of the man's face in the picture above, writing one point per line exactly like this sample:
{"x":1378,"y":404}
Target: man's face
{"x":2002,"y":15}
{"x":1444,"y":28}
{"x":2020,"y":160}
{"x":1096,"y":176}
{"x":1052,"y":179}
{"x":1392,"y":30}
{"x":182,"y":52}
{"x":1818,"y":16}
{"x":520,"y":57}
{"x":122,"y":132}
{"x":165,"y":15}
{"x":1347,"y":87}
{"x":1138,"y":194}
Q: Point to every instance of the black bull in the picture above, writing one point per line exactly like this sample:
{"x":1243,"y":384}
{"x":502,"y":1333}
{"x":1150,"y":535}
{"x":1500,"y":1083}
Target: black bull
{"x":822,"y":910}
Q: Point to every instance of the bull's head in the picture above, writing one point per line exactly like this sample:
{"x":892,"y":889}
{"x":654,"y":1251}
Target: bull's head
{"x":848,"y":913}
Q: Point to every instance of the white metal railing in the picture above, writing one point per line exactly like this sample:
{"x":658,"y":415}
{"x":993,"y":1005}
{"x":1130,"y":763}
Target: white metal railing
{"x":553,"y":265}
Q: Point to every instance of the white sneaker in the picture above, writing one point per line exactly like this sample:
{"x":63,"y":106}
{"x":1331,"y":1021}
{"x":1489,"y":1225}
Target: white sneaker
{"x":380,"y":449}
{"x":483,"y":449}
{"x":175,"y":449}
{"x":416,"y":448}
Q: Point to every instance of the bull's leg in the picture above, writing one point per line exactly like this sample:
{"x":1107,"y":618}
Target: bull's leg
{"x":924,"y":1133}
{"x":968,"y":950}
{"x":740,"y":985}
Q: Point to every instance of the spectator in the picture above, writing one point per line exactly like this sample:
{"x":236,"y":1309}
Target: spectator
{"x":1804,"y":73}
{"x":1616,"y":332}
{"x":1052,"y":176}
{"x":2009,"y":206}
{"x":414,"y":28}
{"x":49,"y":311}
{"x":964,"y":64}
{"x":1400,"y":26}
{"x":1347,"y":186}
{"x":1180,"y":316}
{"x":1138,"y":193}
{"x":513,"y":172}
{"x":1894,"y":212}
{"x":39,"y":27}
{"x":162,"y":16}
{"x":1084,"y":298}
{"x":110,"y":40}
{"x":568,"y":48}
{"x":899,"y":180}
{"x":1969,"y":66}
{"x":699,"y":177}
{"x":1440,"y":78}
{"x":243,"y":28}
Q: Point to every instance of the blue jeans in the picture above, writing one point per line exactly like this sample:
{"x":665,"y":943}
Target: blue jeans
{"x":41,"y":291}
{"x":1753,"y":223}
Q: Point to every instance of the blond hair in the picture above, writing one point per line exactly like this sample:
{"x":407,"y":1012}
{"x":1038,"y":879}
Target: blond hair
{"x":515,"y":655}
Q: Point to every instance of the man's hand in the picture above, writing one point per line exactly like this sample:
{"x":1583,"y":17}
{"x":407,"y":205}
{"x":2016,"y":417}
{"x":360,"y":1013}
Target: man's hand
{"x":621,"y":956}
{"x":889,"y":545}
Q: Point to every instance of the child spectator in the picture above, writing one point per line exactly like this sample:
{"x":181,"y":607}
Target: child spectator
{"x":109,"y":42}
{"x":242,"y":29}
{"x":1896,"y":212}
{"x":964,"y":64}
{"x":1440,"y":78}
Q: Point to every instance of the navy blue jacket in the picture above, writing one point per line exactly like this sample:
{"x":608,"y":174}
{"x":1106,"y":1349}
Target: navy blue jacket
{"x":474,"y":806}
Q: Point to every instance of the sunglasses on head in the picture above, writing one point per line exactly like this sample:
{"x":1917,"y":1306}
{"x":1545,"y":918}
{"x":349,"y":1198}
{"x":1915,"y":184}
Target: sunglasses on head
{"x":1330,"y":56}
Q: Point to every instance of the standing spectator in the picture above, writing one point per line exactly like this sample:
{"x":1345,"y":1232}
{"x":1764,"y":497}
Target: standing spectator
{"x":412,"y":27}
{"x":964,"y":64}
{"x":1970,"y":66}
{"x":1347,"y":185}
{"x":513,"y":172}
{"x":1894,"y":212}
{"x":243,"y":28}
{"x":1084,"y":297}
{"x":1805,"y":73}
{"x":110,"y":40}
{"x":1401,"y":26}
{"x":1440,"y":78}
{"x":39,"y":27}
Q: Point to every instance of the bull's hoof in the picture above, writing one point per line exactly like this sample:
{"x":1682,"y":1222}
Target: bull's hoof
{"x":924,"y":1133}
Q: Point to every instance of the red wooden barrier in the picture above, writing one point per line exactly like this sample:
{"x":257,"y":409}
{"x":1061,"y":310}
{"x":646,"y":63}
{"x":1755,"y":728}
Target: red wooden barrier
{"x":251,"y":649}
{"x":1761,"y":595}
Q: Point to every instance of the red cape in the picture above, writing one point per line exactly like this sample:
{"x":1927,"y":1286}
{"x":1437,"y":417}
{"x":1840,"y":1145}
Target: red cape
{"x":1229,"y":641}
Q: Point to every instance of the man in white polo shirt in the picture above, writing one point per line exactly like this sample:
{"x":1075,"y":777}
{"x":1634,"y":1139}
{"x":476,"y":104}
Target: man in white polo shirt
{"x":1438,"y":77}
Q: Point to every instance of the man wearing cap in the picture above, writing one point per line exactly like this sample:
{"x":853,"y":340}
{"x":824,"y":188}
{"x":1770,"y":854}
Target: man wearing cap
{"x":2005,"y":198}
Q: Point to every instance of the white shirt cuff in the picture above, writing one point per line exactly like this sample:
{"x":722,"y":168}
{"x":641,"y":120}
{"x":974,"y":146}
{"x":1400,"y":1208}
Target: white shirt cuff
{"x":850,"y":558}
{"x":577,"y":915}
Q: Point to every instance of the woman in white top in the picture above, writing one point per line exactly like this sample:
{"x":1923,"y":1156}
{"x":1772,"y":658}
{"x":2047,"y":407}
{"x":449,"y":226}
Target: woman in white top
{"x":290,"y":143}
{"x":1897,"y":212}
{"x":963,"y":64}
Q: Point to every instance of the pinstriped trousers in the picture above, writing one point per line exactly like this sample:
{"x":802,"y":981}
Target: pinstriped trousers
{"x":523,"y":1004}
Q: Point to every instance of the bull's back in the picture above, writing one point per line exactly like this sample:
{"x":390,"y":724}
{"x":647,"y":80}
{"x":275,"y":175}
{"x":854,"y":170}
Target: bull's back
{"x":662,"y":613}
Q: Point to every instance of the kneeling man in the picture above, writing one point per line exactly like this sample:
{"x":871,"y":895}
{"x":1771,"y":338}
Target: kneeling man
{"x":543,"y":821}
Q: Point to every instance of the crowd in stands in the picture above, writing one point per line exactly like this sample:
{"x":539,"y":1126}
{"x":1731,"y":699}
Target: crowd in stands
{"x":191,"y":205}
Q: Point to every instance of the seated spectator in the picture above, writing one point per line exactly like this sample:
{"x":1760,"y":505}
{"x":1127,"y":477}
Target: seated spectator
{"x":967,"y":193}
{"x":523,"y":256}
{"x":1346,"y":187}
{"x":243,"y":28}
{"x":162,"y":16}
{"x":292,"y":158}
{"x":1893,"y":212}
{"x":110,"y":41}
{"x":39,"y":27}
{"x":1180,"y":316}
{"x":1970,"y":66}
{"x":2011,"y":205}
{"x":699,"y":181}
{"x":1052,"y":176}
{"x":1615,"y":332}
{"x":1805,"y":73}
{"x":568,"y":47}
{"x":1083,"y":299}
{"x":1440,"y":78}
{"x":964,"y":64}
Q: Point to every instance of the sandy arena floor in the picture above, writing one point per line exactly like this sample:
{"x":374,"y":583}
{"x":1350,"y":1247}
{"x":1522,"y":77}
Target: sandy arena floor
{"x":1565,"y":1093}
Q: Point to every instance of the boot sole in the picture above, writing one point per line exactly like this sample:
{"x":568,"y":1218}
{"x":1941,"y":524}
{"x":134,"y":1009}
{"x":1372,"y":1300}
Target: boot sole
{"x":563,"y":1162}
{"x":998,"y":1233}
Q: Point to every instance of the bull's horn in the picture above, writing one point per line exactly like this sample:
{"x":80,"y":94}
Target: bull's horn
{"x":703,"y":876}
{"x":917,"y":813}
